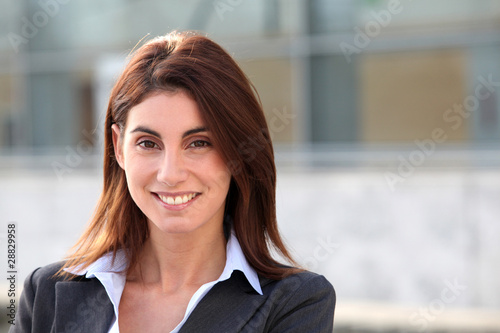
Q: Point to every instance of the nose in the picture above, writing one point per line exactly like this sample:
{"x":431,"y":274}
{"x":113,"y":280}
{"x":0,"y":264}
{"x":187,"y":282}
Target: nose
{"x":172,"y":170}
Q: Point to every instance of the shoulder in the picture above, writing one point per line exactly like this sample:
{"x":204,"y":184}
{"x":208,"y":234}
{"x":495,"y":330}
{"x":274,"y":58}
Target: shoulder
{"x":37,"y":301}
{"x":300,"y":285}
{"x":301,"y":302}
{"x":45,"y":272}
{"x":42,"y":277}
{"x":47,"y":275}
{"x":46,"y":293}
{"x":41,"y":282}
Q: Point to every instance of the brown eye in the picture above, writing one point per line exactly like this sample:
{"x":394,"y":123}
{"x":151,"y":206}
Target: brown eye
{"x":148,"y":144}
{"x":199,"y":144}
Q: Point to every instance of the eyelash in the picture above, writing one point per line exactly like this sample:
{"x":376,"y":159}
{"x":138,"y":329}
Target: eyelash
{"x":193,"y":144}
{"x":203,"y":142}
{"x":144,"y":142}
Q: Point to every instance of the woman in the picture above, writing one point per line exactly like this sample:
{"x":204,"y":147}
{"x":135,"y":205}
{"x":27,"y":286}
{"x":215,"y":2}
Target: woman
{"x":182,"y":236}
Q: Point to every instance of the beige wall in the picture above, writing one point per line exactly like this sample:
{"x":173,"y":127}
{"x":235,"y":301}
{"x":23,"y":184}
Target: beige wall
{"x":272,"y":78}
{"x":405,"y":94}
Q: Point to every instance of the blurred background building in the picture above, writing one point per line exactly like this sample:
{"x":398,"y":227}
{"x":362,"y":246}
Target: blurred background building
{"x":385,"y":117}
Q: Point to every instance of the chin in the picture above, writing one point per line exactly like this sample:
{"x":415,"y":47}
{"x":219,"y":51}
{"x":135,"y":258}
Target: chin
{"x":174,"y":225}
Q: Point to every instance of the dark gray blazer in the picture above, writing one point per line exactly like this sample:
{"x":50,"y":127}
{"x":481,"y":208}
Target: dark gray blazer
{"x":301,"y":303}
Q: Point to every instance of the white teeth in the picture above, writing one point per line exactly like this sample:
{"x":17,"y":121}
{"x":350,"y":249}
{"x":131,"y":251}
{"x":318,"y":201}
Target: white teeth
{"x":178,"y":199}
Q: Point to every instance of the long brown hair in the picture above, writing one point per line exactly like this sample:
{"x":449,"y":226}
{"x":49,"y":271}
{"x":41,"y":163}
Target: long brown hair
{"x":231,"y":109}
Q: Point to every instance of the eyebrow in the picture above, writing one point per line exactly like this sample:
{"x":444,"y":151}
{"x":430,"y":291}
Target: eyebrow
{"x":146,"y":130}
{"x":155,"y":133}
{"x":194,"y":131}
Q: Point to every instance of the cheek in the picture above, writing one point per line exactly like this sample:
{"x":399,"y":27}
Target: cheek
{"x":137,"y":171}
{"x":216,"y":177}
{"x":219,"y":174}
{"x":217,"y":186}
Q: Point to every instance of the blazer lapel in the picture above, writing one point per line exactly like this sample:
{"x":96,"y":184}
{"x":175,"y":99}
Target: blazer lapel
{"x":227,"y":307}
{"x":82,"y":306}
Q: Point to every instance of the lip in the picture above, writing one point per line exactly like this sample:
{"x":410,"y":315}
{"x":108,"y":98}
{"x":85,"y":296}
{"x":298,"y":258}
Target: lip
{"x":172,"y":194}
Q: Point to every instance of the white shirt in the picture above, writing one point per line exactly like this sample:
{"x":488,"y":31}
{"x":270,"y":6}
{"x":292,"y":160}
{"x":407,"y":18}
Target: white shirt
{"x":112,"y":277}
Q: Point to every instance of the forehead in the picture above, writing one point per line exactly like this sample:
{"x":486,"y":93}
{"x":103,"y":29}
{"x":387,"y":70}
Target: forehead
{"x":166,"y":111}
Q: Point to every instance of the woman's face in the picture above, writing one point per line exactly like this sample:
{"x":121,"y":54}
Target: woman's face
{"x":174,"y":173}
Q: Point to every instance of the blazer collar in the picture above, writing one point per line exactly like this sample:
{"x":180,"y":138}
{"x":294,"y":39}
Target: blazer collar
{"x":82,"y":305}
{"x":227,"y":307}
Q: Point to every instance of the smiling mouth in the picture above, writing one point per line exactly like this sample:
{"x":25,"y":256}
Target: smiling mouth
{"x":177,"y":200}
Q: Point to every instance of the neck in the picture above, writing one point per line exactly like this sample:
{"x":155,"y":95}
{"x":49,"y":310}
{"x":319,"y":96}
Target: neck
{"x":174,"y":261}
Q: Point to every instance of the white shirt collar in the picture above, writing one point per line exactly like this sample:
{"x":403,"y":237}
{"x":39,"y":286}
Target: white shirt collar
{"x":235,"y":260}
